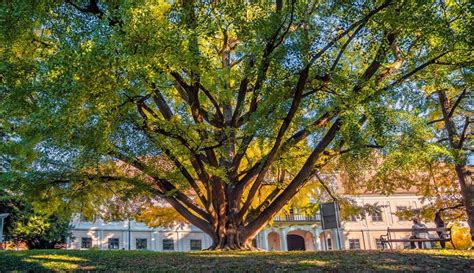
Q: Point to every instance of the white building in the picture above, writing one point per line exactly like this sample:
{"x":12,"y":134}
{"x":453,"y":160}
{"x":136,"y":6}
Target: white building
{"x":365,"y":233}
{"x":295,"y":231}
{"x":135,"y":235}
{"x":292,"y":232}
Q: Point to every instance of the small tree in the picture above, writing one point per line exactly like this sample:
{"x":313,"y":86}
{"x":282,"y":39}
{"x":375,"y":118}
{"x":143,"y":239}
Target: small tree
{"x":200,"y":84}
{"x":36,"y":229}
{"x":455,"y":134}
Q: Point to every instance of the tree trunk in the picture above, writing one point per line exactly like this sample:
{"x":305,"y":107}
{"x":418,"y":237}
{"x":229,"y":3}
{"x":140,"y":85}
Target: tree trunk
{"x":467,"y":192}
{"x":456,"y":144}
{"x":231,"y":238}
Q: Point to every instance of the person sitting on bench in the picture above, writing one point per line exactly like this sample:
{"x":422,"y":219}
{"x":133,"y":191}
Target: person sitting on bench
{"x":440,"y":224}
{"x":418,"y":232}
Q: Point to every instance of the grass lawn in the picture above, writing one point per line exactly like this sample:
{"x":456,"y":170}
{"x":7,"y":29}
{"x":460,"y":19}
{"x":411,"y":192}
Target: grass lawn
{"x":209,"y":261}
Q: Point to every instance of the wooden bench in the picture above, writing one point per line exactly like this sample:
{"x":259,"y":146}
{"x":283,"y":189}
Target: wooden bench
{"x":388,"y":239}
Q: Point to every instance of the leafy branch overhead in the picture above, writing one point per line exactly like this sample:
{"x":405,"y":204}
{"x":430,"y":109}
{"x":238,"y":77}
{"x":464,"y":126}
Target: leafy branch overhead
{"x":208,"y":105}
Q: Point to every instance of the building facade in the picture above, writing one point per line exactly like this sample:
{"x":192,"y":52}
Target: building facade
{"x":290,"y":232}
{"x":293,"y":232}
{"x":131,"y":235}
{"x":365,"y":233}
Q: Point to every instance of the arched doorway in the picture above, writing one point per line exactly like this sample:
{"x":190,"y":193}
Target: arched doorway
{"x":295,"y":242}
{"x":308,"y":239}
{"x":273,"y":241}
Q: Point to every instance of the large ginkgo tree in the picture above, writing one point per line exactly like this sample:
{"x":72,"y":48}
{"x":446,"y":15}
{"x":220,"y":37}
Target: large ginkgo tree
{"x":178,"y":93}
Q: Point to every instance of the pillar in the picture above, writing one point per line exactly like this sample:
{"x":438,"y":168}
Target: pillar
{"x":100,"y":236}
{"x":178,"y":241}
{"x":317,"y":240}
{"x":125,"y":239}
{"x":265,"y":239}
{"x":159,"y":240}
{"x":283,"y":242}
{"x":152,"y":240}
{"x":337,"y":238}
{"x":206,"y":241}
{"x":97,"y":239}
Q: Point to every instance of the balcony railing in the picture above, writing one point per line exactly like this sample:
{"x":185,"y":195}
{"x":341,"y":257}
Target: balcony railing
{"x":298,"y":218}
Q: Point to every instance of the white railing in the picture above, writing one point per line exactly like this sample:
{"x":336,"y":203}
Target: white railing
{"x":298,"y":218}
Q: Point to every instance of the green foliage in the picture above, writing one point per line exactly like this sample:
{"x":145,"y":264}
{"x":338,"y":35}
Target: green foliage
{"x":40,"y":231}
{"x":83,"y":86}
{"x":37,"y":229}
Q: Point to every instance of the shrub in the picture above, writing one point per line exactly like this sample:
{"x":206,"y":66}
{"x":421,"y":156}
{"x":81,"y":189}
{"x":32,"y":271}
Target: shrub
{"x":461,"y":237}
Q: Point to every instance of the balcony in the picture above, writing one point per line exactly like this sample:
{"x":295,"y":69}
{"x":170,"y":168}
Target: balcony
{"x":297,"y":218}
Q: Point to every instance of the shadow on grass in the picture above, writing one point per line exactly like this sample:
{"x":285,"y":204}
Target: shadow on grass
{"x":345,"y":261}
{"x":212,"y":261}
{"x":42,"y":261}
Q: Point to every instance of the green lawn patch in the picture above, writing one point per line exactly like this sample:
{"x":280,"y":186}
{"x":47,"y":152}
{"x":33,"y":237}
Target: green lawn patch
{"x":211,"y":261}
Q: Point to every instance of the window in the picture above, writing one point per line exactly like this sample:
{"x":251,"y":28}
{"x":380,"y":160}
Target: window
{"x":329,"y":241}
{"x":354,"y":244}
{"x":113,"y":243}
{"x":196,"y":245}
{"x":377,"y":216}
{"x":353,"y":218}
{"x":168,"y":244}
{"x":402,"y":217}
{"x":86,"y":242}
{"x":378,"y":244}
{"x":141,"y":243}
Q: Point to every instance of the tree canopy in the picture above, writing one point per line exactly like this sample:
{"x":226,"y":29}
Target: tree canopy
{"x":230,"y":94}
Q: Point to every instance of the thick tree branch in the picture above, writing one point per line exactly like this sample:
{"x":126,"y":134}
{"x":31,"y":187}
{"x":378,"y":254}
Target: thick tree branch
{"x":326,"y":117}
{"x":457,"y":102}
{"x":415,"y":70}
{"x":164,"y":185}
{"x":161,"y":103}
{"x":271,"y":45}
{"x":464,"y":133}
{"x":263,"y":167}
{"x":198,"y":222}
{"x":220,"y":116}
{"x":93,"y":8}
{"x":448,"y":122}
{"x":326,"y":188}
{"x":298,"y":181}
{"x":240,"y":101}
{"x":367,"y":75}
{"x":451,"y":207}
{"x":292,"y":141}
{"x":196,"y":161}
{"x":344,"y":46}
{"x":188,"y":177}
{"x":435,"y":121}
